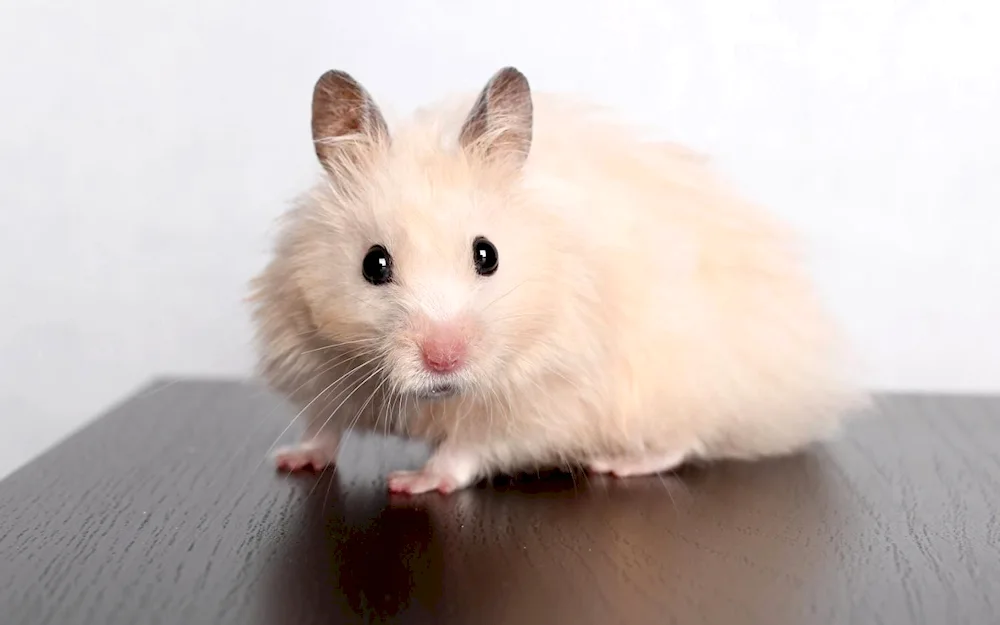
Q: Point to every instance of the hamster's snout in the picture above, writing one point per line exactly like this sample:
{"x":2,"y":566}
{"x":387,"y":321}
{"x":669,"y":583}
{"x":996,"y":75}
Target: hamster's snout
{"x":443,"y":348}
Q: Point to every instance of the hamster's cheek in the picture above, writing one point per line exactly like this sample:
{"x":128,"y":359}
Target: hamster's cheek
{"x":517,"y":338}
{"x":349,"y":318}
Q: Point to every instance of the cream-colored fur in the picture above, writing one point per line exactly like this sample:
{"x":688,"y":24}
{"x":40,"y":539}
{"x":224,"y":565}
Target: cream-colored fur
{"x":640,"y":310}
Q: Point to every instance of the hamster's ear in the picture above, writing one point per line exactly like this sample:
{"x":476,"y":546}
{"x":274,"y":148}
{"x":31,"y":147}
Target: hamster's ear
{"x":499,"y":124}
{"x":345,"y":120}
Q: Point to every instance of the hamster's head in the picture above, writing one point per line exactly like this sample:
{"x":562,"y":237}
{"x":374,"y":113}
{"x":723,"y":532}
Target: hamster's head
{"x":421,"y":256}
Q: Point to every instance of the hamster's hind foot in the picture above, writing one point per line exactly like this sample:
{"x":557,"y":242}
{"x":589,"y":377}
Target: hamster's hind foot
{"x":646,"y":464}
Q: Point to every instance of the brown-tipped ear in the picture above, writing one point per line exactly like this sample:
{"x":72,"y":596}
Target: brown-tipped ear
{"x":500,"y":121}
{"x":344,"y":116}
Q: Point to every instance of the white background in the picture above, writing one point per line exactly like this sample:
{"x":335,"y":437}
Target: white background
{"x":147,"y":147}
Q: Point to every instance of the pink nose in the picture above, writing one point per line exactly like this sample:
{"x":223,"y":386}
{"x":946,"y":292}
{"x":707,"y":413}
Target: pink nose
{"x":443,"y":350}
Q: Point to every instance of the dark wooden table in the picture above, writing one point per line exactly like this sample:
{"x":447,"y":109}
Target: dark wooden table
{"x":166,"y":510}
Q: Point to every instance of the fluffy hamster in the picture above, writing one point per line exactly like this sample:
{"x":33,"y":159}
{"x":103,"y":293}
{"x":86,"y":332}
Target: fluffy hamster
{"x":522,"y":282}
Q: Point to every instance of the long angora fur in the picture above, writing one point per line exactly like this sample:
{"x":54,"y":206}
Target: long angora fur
{"x":641,"y":314}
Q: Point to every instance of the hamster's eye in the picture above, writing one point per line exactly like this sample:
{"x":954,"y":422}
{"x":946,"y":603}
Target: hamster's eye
{"x":484,"y":254}
{"x":377,"y":265}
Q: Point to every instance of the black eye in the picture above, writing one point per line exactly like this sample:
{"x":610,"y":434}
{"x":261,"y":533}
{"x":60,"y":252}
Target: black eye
{"x":377,"y":265}
{"x":484,"y":254}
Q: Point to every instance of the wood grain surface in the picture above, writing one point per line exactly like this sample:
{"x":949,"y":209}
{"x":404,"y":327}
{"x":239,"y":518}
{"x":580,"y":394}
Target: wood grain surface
{"x":166,"y":510}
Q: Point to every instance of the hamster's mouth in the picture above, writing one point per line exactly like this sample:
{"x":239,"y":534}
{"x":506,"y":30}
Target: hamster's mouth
{"x":439,"y":391}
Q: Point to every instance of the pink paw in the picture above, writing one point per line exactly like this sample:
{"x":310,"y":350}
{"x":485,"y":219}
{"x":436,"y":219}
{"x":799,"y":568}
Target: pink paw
{"x":416,"y":482}
{"x":303,"y":457}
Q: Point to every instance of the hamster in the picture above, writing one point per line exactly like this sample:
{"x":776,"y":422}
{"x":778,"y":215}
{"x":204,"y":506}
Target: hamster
{"x":522,"y":282}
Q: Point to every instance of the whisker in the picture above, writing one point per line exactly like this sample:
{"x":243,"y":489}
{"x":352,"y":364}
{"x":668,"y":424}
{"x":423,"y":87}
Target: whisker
{"x":264,"y":419}
{"x":378,"y":414}
{"x":355,"y":386}
{"x":331,"y":364}
{"x":351,"y":426}
{"x":320,"y":394}
{"x":356,"y":417}
{"x":514,"y":288}
{"x":363,"y":341}
{"x":239,"y":492}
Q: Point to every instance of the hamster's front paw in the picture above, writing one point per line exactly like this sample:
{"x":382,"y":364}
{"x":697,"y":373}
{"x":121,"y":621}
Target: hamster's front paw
{"x":448,"y":470}
{"x":423,"y":481}
{"x":647,"y":464}
{"x":312,"y":455}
